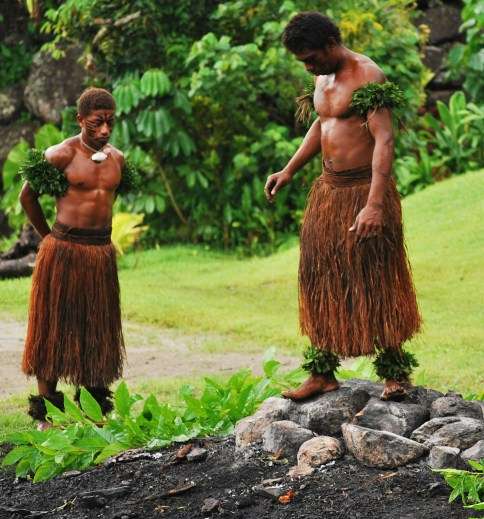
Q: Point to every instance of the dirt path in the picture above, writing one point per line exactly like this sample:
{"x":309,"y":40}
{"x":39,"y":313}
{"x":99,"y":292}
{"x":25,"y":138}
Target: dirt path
{"x":152,"y":353}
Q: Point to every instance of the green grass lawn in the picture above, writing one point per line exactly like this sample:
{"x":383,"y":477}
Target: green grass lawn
{"x":253,"y":302}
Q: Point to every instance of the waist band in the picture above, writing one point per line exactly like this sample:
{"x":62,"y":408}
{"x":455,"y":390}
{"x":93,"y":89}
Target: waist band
{"x":347,"y":177}
{"x":64,"y":232}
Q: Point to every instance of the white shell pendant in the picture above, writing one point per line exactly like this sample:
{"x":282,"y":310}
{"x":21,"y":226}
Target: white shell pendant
{"x":99,"y":156}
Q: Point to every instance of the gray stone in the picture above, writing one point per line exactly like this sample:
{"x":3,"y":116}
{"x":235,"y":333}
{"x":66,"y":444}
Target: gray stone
{"x":326,"y":413}
{"x":444,"y":22}
{"x":54,"y":84}
{"x":379,"y":448}
{"x":274,"y":491}
{"x":300,"y":471}
{"x":480,"y":403}
{"x":439,"y":95}
{"x":249,"y":430}
{"x":319,"y":451}
{"x":476,"y":452}
{"x":210,"y":505}
{"x":286,"y":437}
{"x":444,"y":457}
{"x":422,"y":396}
{"x":10,"y":135}
{"x":461,"y":434}
{"x":425,"y":431}
{"x":197,"y":454}
{"x":10,"y":103}
{"x":433,"y":57}
{"x":455,"y":406}
{"x":396,"y":417}
{"x":374,"y":389}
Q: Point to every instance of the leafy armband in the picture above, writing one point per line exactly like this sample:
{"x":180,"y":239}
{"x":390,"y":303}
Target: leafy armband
{"x":130,"y":179}
{"x":42,"y":176}
{"x":373,"y":96}
{"x":304,"y":104}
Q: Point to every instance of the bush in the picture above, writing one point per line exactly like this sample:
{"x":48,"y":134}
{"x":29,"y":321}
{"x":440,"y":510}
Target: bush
{"x":206,"y":109}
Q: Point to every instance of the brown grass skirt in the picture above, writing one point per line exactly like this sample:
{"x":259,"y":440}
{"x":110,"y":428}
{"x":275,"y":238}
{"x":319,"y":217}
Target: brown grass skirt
{"x":354,"y":295}
{"x":74,"y":330}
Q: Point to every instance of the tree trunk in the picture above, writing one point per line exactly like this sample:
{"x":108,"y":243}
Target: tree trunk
{"x":19,"y":260}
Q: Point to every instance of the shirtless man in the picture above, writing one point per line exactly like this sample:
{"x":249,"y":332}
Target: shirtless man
{"x":355,"y":290}
{"x":74,"y":330}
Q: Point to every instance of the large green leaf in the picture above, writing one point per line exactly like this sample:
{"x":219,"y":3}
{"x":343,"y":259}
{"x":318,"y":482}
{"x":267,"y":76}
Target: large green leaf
{"x":90,"y":406}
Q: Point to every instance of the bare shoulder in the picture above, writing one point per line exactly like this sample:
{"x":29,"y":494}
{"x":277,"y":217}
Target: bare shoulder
{"x":60,"y":155}
{"x":118,"y":155}
{"x":367,"y":71}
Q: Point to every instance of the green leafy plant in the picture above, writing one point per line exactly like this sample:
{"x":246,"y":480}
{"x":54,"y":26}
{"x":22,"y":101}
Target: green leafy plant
{"x":82,"y":436}
{"x":42,"y":176}
{"x":466,"y":485}
{"x":46,"y":136}
{"x":377,"y":95}
{"x":126,"y":231}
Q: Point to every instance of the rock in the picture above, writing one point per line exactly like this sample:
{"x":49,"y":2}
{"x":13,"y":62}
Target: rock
{"x":318,"y":451}
{"x":396,"y":417}
{"x":269,"y":491}
{"x":300,"y":471}
{"x":439,"y":95}
{"x":379,"y":448}
{"x":476,"y":452}
{"x":425,"y":431}
{"x":249,"y":430}
{"x":210,"y":505}
{"x":54,"y":84}
{"x":197,"y":454}
{"x":326,"y":413}
{"x":444,"y":22}
{"x":444,"y":457}
{"x":480,"y":403}
{"x":422,"y":396}
{"x":10,"y":103}
{"x":455,"y":406}
{"x":374,"y":389}
{"x":285,"y":436}
{"x":462,"y":434}
{"x":11,"y":134}
{"x":433,"y":57}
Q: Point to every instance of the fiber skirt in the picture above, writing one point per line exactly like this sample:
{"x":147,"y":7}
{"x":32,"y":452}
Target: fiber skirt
{"x":354,"y":295}
{"x":74,"y":329}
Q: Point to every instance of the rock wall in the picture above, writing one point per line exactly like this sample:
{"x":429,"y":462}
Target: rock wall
{"x":443,"y":20}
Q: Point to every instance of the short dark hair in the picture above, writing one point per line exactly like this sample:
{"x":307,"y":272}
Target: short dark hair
{"x":95,"y":99}
{"x":310,"y":30}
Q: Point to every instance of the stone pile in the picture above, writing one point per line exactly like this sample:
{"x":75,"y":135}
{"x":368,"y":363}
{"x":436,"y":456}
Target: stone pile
{"x":446,"y":429}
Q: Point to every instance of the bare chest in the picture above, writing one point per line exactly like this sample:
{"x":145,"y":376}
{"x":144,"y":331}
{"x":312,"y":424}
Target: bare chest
{"x":83,"y":173}
{"x":333,"y":99}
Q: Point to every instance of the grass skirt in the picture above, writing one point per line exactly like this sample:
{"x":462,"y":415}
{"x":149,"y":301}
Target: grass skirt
{"x":354,"y":296}
{"x":74,"y":330}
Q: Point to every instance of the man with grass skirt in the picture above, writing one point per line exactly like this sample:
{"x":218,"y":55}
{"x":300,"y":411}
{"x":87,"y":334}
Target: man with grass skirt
{"x":356,"y":295}
{"x":74,"y":329}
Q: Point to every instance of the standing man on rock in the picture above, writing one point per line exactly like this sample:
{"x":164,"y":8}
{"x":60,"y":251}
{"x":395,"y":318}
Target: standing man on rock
{"x":74,"y":329}
{"x":356,"y":295}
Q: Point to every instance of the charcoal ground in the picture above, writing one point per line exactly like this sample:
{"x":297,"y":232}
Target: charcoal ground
{"x":342,"y":490}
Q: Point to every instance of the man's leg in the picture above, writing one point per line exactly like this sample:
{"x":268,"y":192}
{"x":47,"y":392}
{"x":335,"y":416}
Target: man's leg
{"x":395,"y":366}
{"x":321,"y":365}
{"x":37,"y":408}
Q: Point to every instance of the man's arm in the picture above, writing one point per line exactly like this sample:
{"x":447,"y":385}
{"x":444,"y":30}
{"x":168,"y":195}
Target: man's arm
{"x":310,"y":146}
{"x":369,"y":221}
{"x":59,"y":156}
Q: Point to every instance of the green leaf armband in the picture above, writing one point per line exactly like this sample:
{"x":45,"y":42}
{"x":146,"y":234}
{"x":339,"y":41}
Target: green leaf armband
{"x":42,"y":176}
{"x":130,"y":179}
{"x":373,"y":96}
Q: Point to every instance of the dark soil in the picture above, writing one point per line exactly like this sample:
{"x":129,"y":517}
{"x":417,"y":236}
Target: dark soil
{"x":138,"y":489}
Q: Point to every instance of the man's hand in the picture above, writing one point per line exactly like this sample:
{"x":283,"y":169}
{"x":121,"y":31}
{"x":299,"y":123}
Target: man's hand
{"x":275,"y":182}
{"x":369,"y":222}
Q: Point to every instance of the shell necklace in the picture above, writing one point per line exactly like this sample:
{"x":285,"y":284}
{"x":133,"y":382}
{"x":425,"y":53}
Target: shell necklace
{"x":98,"y":155}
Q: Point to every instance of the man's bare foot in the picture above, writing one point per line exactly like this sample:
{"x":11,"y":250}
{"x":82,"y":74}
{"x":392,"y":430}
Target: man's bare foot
{"x":314,"y":385}
{"x":43,"y":426}
{"x":395,"y":390}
